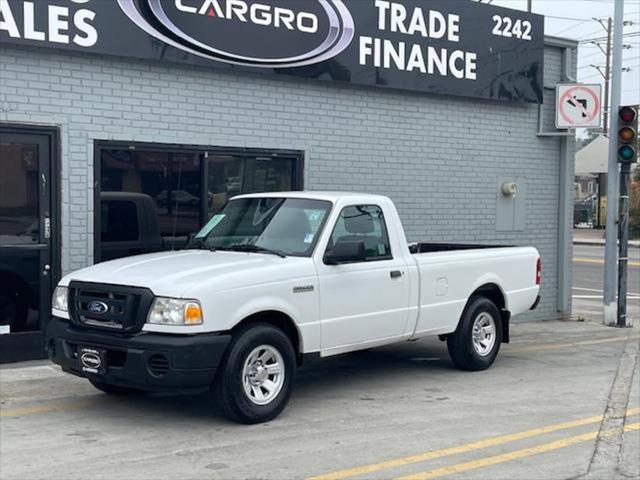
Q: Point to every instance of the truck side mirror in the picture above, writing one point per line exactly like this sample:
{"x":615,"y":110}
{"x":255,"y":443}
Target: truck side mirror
{"x":346,"y":252}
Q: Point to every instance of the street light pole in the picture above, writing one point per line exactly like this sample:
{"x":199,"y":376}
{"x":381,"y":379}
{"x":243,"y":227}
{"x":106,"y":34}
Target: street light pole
{"x":610,"y":309}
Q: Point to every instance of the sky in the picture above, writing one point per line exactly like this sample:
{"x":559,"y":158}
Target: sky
{"x":578,"y":24}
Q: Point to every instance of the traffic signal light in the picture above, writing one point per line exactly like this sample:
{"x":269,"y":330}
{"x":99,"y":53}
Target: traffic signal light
{"x":627,"y":134}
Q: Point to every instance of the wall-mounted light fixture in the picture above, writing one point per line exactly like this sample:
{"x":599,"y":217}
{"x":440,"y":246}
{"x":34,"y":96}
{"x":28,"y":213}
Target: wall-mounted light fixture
{"x":509,"y":189}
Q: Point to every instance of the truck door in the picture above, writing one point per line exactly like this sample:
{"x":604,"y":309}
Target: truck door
{"x":365,"y":300}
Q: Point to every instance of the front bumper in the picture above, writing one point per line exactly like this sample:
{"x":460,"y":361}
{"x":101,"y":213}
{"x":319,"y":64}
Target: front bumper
{"x":145,"y":361}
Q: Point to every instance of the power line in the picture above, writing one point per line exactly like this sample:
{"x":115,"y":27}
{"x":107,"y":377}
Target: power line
{"x":600,"y":39}
{"x":570,"y":28}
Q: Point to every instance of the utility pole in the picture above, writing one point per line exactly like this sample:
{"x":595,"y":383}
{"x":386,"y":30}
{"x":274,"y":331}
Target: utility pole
{"x":623,"y":234}
{"x":610,"y":307}
{"x":607,"y":76}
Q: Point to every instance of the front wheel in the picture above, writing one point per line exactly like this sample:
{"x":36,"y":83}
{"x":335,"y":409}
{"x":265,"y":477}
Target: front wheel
{"x":476,"y":342}
{"x":255,"y":379}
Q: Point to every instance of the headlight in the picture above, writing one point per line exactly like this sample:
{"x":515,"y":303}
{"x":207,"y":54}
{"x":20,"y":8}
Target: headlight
{"x":60,"y":299}
{"x":175,"y":311}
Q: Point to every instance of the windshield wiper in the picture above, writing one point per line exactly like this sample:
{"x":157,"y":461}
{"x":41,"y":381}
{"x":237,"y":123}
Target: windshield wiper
{"x":243,"y":247}
{"x":199,"y":244}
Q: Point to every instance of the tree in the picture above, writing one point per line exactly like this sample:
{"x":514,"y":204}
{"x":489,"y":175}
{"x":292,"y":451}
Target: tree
{"x":582,"y":142}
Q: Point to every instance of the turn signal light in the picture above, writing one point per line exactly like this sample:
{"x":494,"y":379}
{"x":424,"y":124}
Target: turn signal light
{"x":192,"y":314}
{"x":538,"y":272}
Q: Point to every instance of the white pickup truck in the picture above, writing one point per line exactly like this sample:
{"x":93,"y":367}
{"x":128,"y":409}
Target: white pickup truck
{"x":271,"y":278}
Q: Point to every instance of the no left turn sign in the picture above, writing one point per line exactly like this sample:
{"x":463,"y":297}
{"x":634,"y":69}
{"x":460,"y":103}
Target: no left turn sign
{"x":578,"y":105}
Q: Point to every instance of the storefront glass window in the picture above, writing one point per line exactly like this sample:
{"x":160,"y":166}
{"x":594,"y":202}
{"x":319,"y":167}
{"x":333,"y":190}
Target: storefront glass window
{"x":176,"y":184}
{"x":172,"y":180}
{"x":232,"y":175}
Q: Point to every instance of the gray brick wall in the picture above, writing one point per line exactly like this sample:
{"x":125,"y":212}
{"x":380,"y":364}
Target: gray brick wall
{"x":437,"y":157}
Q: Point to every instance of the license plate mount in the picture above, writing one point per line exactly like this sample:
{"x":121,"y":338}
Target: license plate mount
{"x":92,"y":360}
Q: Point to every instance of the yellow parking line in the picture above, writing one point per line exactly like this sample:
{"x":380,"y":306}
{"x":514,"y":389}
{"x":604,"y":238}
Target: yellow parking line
{"x":516,"y":454}
{"x":557,"y":346}
{"x":17,"y":412}
{"x":468,"y":447}
{"x":597,"y":261}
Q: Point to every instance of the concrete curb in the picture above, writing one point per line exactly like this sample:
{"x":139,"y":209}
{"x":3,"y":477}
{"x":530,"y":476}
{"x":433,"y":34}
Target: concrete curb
{"x":606,"y":458}
{"x":632,"y":243}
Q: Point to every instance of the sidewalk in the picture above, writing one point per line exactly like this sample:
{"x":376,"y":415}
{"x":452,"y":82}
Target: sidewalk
{"x":590,"y":236}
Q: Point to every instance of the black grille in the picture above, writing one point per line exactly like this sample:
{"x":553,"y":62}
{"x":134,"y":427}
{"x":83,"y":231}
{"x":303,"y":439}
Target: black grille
{"x":109,"y":307}
{"x":158,"y":365}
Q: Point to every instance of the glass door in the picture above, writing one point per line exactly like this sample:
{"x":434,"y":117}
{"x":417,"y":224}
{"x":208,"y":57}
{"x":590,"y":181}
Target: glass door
{"x":25,"y":244}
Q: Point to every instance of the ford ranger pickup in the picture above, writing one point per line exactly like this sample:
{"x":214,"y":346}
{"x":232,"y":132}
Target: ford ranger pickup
{"x":272,"y":278}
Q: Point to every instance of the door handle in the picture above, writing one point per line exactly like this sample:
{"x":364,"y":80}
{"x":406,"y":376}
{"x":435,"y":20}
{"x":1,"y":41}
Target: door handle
{"x":395,"y":274}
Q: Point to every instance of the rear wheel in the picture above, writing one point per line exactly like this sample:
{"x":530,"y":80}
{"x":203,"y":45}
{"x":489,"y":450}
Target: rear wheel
{"x":112,"y":389}
{"x":476,"y":342}
{"x":255,"y":379}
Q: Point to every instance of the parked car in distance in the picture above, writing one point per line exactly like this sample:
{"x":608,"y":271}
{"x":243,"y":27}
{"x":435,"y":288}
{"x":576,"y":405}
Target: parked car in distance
{"x":178,"y":197}
{"x":272,"y":278}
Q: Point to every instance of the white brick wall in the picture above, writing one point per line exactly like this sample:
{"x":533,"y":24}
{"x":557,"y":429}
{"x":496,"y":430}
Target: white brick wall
{"x":438,"y":157}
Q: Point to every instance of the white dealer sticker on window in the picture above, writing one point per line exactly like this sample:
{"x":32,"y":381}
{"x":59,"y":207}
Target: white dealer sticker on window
{"x":216,"y":219}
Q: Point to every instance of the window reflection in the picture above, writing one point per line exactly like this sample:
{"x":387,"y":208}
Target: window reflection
{"x":172,"y":180}
{"x":232,"y":175}
{"x":180,"y":192}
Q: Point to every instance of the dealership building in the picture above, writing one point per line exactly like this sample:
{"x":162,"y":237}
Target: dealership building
{"x":441,"y":114}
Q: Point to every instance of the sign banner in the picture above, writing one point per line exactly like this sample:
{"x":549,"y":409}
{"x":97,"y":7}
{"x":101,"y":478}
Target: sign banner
{"x":438,"y":46}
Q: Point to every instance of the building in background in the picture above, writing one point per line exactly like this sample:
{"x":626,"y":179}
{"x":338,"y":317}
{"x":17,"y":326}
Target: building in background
{"x":141,"y":113}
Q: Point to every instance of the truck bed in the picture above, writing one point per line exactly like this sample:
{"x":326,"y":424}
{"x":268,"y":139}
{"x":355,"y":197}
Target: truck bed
{"x":446,"y":247}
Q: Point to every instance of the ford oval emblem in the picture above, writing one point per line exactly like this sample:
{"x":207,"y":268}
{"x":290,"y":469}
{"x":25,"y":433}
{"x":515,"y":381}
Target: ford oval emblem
{"x":90,"y":360}
{"x":291,"y":34}
{"x":97,"y":307}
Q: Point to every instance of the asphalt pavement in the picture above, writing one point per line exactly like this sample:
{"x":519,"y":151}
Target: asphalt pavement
{"x":588,"y":281}
{"x":558,"y":404}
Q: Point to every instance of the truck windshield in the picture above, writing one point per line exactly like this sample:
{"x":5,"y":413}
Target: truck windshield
{"x":289,"y":226}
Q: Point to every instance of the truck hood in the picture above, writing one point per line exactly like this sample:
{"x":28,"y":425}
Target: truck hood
{"x":175,"y":273}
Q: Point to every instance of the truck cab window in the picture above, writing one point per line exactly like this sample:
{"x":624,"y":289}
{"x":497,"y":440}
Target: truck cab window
{"x":119,"y":222}
{"x":363,"y":223}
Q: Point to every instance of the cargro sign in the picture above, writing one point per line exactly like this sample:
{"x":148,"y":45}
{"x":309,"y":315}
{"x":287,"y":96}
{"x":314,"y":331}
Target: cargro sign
{"x":437,"y":46}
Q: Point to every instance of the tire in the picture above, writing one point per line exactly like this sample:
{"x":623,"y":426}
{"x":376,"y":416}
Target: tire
{"x":13,"y":311}
{"x":113,"y":389}
{"x":241,"y":386}
{"x":471,"y":355}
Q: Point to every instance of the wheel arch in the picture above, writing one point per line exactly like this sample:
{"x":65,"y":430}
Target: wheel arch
{"x":493,"y":292}
{"x":279,"y":320}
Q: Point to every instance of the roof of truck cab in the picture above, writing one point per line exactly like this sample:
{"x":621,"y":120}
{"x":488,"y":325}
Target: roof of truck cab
{"x":321,"y":195}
